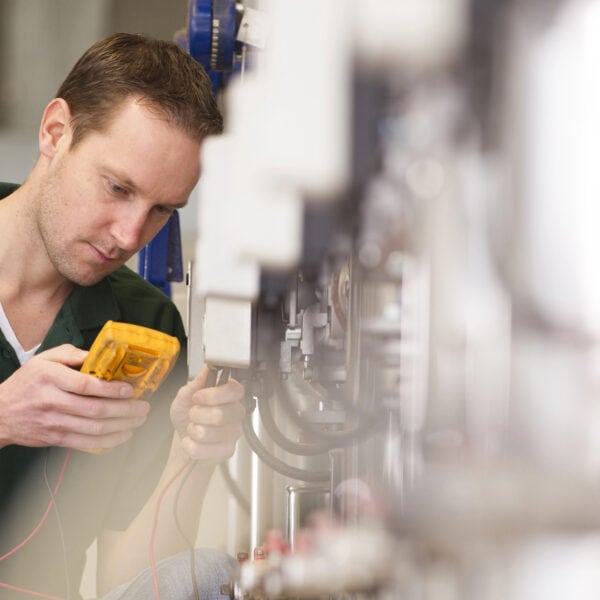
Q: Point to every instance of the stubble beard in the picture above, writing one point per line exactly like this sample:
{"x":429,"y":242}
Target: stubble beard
{"x":50,"y":226}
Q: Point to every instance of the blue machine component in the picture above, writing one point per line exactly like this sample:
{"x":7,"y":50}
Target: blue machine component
{"x":222,"y":52}
{"x":200,"y":31}
{"x":211,"y":40}
{"x":161,"y":262}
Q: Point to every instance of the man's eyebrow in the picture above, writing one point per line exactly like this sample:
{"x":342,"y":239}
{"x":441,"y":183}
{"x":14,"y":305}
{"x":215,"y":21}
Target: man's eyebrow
{"x":122,"y":179}
{"x":128,"y":183}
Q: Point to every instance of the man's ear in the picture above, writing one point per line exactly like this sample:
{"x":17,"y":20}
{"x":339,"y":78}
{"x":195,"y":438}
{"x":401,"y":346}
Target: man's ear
{"x":55,"y":127}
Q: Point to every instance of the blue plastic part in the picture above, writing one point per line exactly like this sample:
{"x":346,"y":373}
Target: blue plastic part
{"x":222,"y":53}
{"x":161,"y":261}
{"x":210,"y":38}
{"x":217,"y":81}
{"x":200,"y":31}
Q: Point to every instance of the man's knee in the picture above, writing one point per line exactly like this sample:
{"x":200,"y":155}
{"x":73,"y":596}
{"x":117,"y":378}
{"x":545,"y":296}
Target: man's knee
{"x":213,"y":568}
{"x":217,"y":562}
{"x":206,"y":569}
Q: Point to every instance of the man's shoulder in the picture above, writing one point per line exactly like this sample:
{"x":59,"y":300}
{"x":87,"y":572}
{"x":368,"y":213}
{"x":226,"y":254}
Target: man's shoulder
{"x":141,"y":302}
{"x":126,"y":282}
{"x":6,"y":189}
{"x":125,"y":279}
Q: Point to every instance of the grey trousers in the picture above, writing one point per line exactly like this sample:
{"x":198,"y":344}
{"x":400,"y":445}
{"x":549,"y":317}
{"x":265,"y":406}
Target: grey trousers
{"x":213,"y":568}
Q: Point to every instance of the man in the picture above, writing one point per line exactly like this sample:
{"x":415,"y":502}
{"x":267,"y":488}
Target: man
{"x":119,"y":152}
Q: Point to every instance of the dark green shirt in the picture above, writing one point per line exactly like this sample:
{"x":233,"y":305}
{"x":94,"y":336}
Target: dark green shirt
{"x":98,"y":491}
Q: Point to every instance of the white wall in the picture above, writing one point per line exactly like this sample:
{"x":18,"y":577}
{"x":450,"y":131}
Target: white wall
{"x":18,"y":152}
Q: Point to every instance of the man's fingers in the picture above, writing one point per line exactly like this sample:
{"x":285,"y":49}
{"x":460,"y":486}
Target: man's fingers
{"x":82,"y":434}
{"x":66,"y":354}
{"x":232,"y":412}
{"x":208,"y":420}
{"x":95,"y":427}
{"x":83,"y":384}
{"x":79,"y":383}
{"x":232,"y":391}
{"x":202,"y":377}
{"x":99,"y":408}
{"x":213,"y":435}
{"x":59,"y":374}
{"x":213,"y":452}
{"x":100,"y":442}
{"x":55,"y":428}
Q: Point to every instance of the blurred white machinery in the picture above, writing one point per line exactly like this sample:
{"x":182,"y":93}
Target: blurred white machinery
{"x":397,"y":255}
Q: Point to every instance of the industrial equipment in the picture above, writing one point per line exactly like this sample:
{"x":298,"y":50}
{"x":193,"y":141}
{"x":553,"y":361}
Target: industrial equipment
{"x":395,"y":253}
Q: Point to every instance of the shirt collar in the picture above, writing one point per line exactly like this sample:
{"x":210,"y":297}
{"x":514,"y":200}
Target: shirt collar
{"x":86,"y":309}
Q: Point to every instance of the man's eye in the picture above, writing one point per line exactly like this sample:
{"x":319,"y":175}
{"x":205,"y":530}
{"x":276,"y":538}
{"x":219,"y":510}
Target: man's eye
{"x":116,"y":189}
{"x":163,"y":210}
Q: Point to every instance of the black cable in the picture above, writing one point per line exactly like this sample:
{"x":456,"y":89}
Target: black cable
{"x":234,"y":488}
{"x":359,"y":413}
{"x":266,"y":416}
{"x":215,"y":377}
{"x":219,"y":376}
{"x":273,"y":462}
{"x":337,"y":438}
{"x":190,"y":544}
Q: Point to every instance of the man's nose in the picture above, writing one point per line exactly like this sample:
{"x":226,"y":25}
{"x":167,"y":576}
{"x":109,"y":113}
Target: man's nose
{"x":127,"y":229}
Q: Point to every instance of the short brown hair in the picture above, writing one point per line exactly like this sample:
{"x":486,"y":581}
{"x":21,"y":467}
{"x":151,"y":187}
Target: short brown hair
{"x":158,"y":71}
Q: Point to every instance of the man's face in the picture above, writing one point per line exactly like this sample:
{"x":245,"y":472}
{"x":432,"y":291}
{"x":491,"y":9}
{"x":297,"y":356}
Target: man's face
{"x":107,"y":197}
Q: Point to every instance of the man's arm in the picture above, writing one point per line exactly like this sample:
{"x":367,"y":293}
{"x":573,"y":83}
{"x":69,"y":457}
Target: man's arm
{"x":207,"y":424}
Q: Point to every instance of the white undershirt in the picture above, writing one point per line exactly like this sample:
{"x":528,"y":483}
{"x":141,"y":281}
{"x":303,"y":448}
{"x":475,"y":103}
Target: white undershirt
{"x":11,"y":338}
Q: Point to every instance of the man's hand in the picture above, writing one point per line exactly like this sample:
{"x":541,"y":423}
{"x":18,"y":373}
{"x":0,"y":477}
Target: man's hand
{"x":47,"y":403}
{"x":208,"y":420}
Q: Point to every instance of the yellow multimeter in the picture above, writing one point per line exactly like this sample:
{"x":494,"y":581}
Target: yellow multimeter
{"x":141,"y":356}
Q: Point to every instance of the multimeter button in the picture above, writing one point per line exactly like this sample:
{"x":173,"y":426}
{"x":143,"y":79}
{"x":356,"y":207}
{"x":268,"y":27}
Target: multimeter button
{"x":132,"y":370}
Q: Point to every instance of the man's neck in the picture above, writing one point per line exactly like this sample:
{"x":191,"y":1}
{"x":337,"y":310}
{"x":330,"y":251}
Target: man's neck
{"x":32,"y":291}
{"x":31,"y":314}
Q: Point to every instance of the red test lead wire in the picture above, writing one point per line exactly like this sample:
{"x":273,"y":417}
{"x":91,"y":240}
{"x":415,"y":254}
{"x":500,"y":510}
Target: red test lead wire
{"x":48,"y":509}
{"x":34,"y":533}
{"x":155,"y":527}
